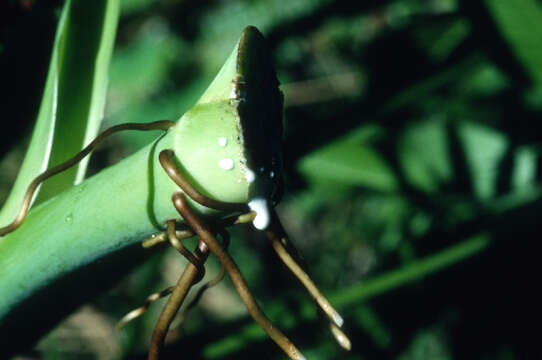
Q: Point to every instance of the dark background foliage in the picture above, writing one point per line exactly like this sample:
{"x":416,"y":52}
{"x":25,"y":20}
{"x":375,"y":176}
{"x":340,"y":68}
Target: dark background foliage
{"x":411,"y":138}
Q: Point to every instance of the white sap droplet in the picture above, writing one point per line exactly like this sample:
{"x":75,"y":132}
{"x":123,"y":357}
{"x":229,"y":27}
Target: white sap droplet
{"x":222,"y":141}
{"x":226,"y":163}
{"x":272,"y":174}
{"x":249,"y":175}
{"x":261,"y":221}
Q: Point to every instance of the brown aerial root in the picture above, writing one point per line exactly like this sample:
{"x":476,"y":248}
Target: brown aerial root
{"x":27,"y":200}
{"x":279,"y":240}
{"x":162,"y":237}
{"x":178,"y":245}
{"x":206,"y":235}
{"x":166,"y":160}
{"x":340,"y":337}
{"x":217,"y":279}
{"x":192,"y":274}
{"x":187,"y":279}
{"x":174,"y":238}
{"x":141,"y":310}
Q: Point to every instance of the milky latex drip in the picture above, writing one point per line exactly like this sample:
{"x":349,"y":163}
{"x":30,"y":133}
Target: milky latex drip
{"x":261,"y":207}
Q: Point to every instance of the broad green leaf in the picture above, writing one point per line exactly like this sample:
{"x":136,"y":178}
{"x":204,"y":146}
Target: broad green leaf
{"x":351,"y":162}
{"x":520,"y":23}
{"x":72,"y":106}
{"x":484,"y":148}
{"x":424,"y":155}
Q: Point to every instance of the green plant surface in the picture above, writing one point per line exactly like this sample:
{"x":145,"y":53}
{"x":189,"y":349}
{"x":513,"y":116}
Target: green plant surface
{"x":127,"y":202}
{"x":73,"y":100}
{"x":520,"y":26}
{"x":409,"y":125}
{"x":338,"y":163}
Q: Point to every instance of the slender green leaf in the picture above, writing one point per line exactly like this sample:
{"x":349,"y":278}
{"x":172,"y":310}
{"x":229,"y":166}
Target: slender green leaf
{"x":72,"y":106}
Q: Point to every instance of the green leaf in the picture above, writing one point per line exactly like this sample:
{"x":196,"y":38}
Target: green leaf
{"x":520,"y":23}
{"x":73,"y":101}
{"x":484,"y":148}
{"x":424,"y":155}
{"x":524,"y":175}
{"x":351,"y":162}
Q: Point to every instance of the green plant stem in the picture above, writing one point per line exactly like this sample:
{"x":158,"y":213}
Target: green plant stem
{"x":80,"y":241}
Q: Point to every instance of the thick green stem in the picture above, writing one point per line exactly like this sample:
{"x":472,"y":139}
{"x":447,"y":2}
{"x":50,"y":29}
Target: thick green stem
{"x":78,"y":242}
{"x":119,"y":206}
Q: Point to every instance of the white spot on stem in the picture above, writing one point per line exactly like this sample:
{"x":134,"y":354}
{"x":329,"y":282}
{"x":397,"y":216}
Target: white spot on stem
{"x":249,"y":175}
{"x":222,"y":141}
{"x":226,"y":163}
{"x":233,"y":93}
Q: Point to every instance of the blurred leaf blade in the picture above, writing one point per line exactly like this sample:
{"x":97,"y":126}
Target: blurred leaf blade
{"x":83,"y":74}
{"x":424,"y":155}
{"x":350,"y":162}
{"x":72,"y":105}
{"x":37,"y":156}
{"x":484,"y":149}
{"x":519,"y":23}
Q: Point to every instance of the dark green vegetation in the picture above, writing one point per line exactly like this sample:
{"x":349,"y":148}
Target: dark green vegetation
{"x":412,"y":166}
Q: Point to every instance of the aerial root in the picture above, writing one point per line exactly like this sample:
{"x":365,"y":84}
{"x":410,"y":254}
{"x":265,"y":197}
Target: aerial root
{"x":279,"y":239}
{"x":280,"y":243}
{"x":340,"y":337}
{"x":206,"y":235}
{"x":141,"y":310}
{"x":162,"y":237}
{"x":178,"y":245}
{"x":174,"y":238}
{"x":188,"y":278}
{"x":167,"y":162}
{"x":215,"y":281}
{"x":29,"y":195}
